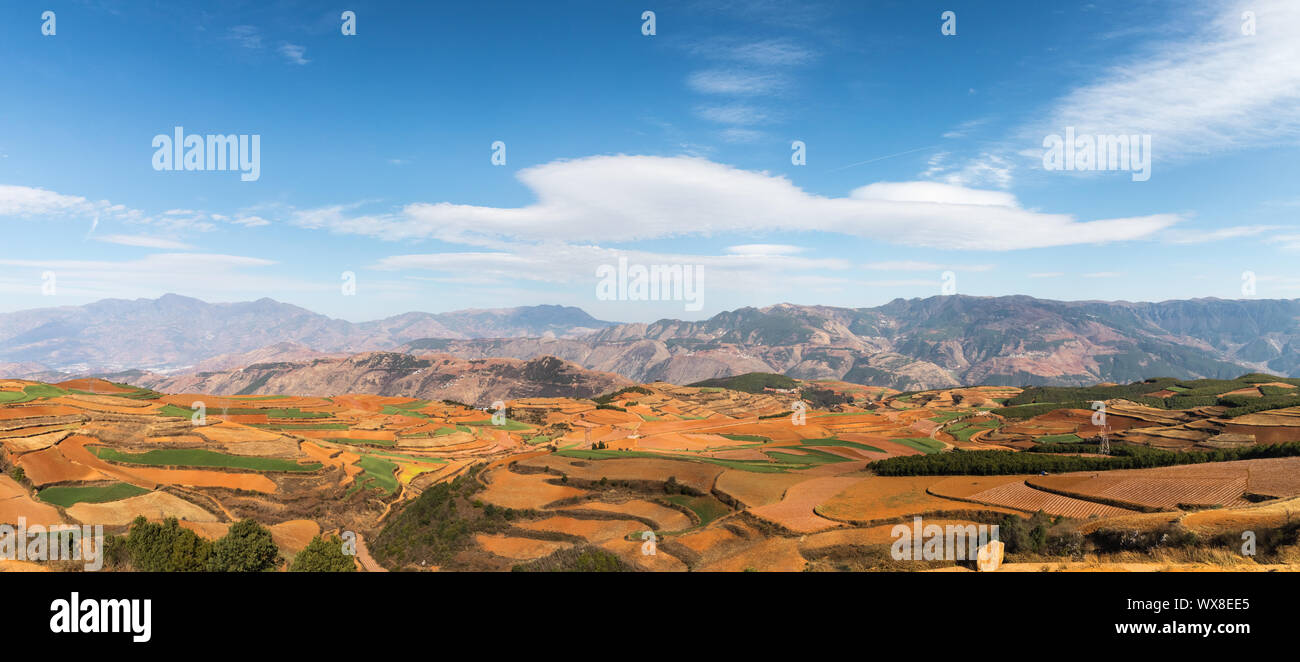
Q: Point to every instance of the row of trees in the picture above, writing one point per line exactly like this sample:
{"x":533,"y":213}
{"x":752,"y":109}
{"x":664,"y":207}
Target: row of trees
{"x":1123,"y":456}
{"x":247,"y":547}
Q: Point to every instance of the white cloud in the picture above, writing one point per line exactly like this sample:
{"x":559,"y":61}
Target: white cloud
{"x":907,"y":265}
{"x":247,"y":36}
{"x":1047,"y":274}
{"x":1212,"y":91}
{"x":559,"y":263}
{"x":734,"y":114}
{"x":739,"y":135}
{"x":29,"y":202}
{"x":155,"y":274}
{"x":770,"y":52}
{"x":144,"y":241}
{"x":1221,"y":234}
{"x":294,"y":53}
{"x":629,"y":198}
{"x":764,"y":249}
{"x":733,"y":82}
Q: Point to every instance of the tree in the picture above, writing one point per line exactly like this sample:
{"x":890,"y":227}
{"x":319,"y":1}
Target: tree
{"x":247,"y":547}
{"x":323,"y":555}
{"x":165,"y":547}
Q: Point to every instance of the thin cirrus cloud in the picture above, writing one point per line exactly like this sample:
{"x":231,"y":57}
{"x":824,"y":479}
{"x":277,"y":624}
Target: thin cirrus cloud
{"x":155,"y":274}
{"x":294,"y":53}
{"x":736,"y":113}
{"x":908,"y":265}
{"x":744,"y":269}
{"x":1209,"y":89}
{"x":630,"y":198}
{"x":144,"y":241}
{"x":1218,"y":90}
{"x":732,"y":82}
{"x":778,"y":52}
{"x":1221,"y":234}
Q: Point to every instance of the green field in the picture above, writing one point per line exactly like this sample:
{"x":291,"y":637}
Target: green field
{"x":197,"y":457}
{"x":746,"y":437}
{"x":405,"y":410}
{"x":963,"y":431}
{"x":832,"y":441}
{"x":756,"y":466}
{"x":378,"y":474}
{"x":67,"y":496}
{"x":810,"y":457}
{"x":707,"y":508}
{"x":298,"y":426}
{"x":1059,"y":439}
{"x":361,"y":442}
{"x":509,"y":425}
{"x":29,"y":393}
{"x":924,"y":444}
{"x":946,"y":416}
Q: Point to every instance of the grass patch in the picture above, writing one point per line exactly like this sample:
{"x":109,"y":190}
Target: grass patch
{"x":298,"y":426}
{"x":68,"y":496}
{"x":361,"y":442}
{"x":809,"y":457}
{"x":756,"y":466}
{"x":946,"y":416}
{"x":198,"y":457}
{"x":1059,"y":439}
{"x":964,"y":430}
{"x":832,"y":441}
{"x":378,"y":473}
{"x":29,"y":393}
{"x":509,"y":425}
{"x":746,"y":437}
{"x":707,"y":508}
{"x":924,"y":444}
{"x":395,"y":410}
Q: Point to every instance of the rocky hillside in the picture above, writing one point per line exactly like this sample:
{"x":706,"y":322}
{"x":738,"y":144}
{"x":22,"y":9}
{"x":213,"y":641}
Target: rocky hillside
{"x":941,"y":342}
{"x":434,"y":377}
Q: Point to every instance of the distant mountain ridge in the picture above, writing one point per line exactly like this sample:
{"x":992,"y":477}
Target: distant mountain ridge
{"x":478,"y":382}
{"x":174,"y":331}
{"x":941,"y":342}
{"x":908,"y":344}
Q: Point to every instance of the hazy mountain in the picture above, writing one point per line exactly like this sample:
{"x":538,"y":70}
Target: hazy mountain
{"x":175,"y":332}
{"x":477,"y":381}
{"x":941,"y":341}
{"x":906,"y":344}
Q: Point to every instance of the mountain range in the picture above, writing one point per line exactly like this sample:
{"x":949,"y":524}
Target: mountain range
{"x":935,"y":342}
{"x":174,"y":332}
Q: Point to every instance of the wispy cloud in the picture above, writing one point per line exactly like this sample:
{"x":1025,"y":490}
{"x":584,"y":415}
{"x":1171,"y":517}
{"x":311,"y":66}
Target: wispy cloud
{"x":906,"y":265}
{"x":144,"y":241}
{"x":294,"y":53}
{"x":734,"y":82}
{"x":246,"y":36}
{"x":1221,"y":234}
{"x":1213,"y":91}
{"x":781,"y":52}
{"x":734,"y":114}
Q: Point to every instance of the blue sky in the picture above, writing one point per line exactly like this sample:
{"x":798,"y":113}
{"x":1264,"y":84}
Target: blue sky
{"x":924,"y":151}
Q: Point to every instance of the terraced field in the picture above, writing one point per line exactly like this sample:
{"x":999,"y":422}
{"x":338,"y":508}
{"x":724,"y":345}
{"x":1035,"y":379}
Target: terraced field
{"x":722,"y":479}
